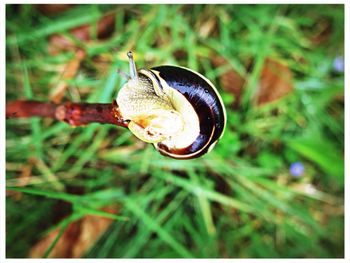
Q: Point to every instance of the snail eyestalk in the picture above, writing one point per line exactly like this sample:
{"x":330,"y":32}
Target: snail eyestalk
{"x":133,"y":71}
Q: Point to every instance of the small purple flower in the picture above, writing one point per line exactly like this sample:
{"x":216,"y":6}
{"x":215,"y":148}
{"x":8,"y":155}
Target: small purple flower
{"x":296,"y":169}
{"x":338,"y":64}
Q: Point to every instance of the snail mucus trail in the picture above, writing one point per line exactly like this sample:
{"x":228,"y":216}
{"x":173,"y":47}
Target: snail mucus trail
{"x":175,"y":108}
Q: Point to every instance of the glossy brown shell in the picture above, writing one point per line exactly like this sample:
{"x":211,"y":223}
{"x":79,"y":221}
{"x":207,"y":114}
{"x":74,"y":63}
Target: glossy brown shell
{"x":207,"y":103}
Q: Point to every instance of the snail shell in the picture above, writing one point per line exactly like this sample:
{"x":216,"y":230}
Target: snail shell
{"x":175,"y":108}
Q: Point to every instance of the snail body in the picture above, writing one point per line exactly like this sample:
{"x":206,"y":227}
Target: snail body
{"x":175,"y":108}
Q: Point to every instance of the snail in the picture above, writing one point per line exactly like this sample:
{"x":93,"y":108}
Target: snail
{"x":175,"y":108}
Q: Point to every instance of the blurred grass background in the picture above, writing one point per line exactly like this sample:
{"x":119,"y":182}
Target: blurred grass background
{"x":272,"y":187}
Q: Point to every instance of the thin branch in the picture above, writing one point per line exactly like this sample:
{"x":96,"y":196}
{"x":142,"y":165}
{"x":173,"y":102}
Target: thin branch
{"x":74,"y":114}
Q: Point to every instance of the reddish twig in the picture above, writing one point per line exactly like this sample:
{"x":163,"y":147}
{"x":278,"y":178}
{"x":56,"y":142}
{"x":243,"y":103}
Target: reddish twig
{"x":75,"y":114}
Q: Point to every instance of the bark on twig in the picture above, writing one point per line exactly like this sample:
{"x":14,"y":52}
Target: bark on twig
{"x":74,"y":114}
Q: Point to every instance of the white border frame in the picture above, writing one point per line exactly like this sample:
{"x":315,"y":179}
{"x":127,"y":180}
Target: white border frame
{"x":3,"y":128}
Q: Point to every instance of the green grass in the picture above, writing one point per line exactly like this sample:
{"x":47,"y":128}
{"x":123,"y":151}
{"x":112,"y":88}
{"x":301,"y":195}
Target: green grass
{"x":240,"y":200}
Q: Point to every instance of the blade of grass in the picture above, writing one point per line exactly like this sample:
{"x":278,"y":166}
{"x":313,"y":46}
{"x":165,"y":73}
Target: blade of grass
{"x":89,"y":211}
{"x":35,"y":122}
{"x":49,"y":176}
{"x":77,"y":200}
{"x":200,"y":190}
{"x":323,"y":153}
{"x":292,"y":210}
{"x":154,"y":226}
{"x":142,"y":238}
{"x":113,"y":81}
{"x":264,"y":50}
{"x":53,"y":244}
{"x":204,"y":206}
{"x":317,"y":195}
{"x":49,"y":194}
{"x":72,"y":149}
{"x":89,"y":152}
{"x":57,"y":26}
